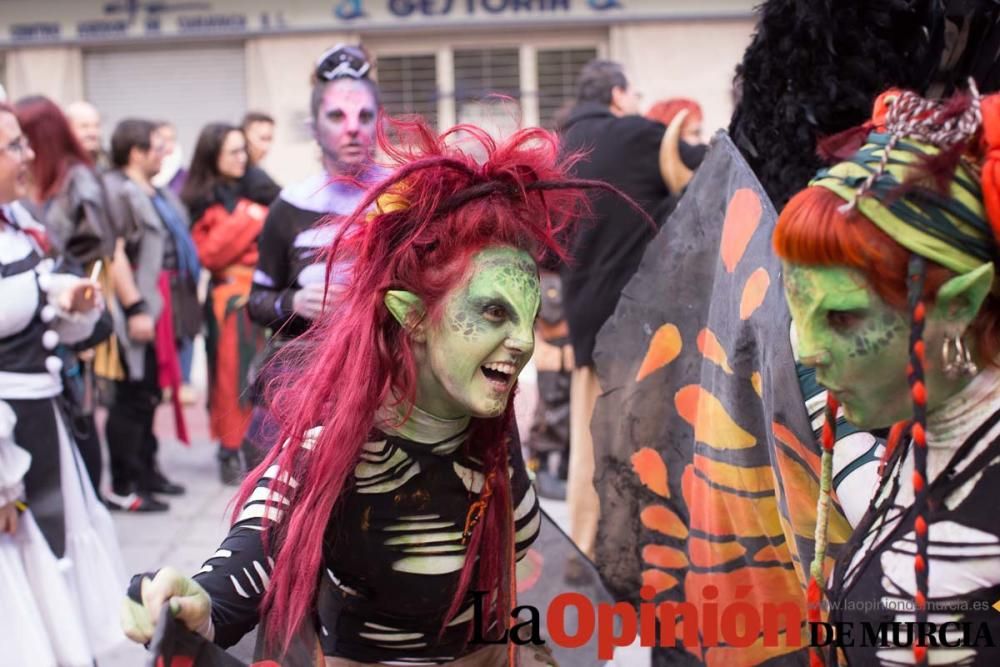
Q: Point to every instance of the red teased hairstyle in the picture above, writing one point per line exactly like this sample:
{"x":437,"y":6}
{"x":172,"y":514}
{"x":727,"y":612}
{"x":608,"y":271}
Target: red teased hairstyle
{"x":56,"y":147}
{"x":665,"y":110}
{"x":812,"y":230}
{"x":517,"y":195}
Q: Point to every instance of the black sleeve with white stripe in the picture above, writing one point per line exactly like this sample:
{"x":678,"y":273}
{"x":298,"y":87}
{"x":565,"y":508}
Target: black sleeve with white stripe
{"x":238,"y":574}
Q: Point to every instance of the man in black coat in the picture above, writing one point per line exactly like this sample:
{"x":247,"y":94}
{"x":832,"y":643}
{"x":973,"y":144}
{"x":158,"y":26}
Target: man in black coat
{"x":621,"y":148}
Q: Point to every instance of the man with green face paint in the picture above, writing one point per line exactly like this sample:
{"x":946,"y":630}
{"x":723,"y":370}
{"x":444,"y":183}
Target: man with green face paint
{"x":399,"y":487}
{"x":890,"y":279}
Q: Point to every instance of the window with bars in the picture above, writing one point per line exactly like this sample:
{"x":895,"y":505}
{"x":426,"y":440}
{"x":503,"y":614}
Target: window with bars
{"x":409,"y":85}
{"x":488,"y":89}
{"x":557,"y":73}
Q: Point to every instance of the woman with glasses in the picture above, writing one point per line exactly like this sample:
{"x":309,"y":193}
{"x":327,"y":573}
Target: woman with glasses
{"x":228,"y":217}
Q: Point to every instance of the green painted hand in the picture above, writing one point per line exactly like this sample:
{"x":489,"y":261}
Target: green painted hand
{"x":189,"y":603}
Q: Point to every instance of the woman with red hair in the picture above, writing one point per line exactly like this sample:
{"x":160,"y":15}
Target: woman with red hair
{"x":890,"y":277}
{"x":687,"y":112}
{"x":682,"y":148}
{"x":400,"y":489}
{"x":65,"y":186}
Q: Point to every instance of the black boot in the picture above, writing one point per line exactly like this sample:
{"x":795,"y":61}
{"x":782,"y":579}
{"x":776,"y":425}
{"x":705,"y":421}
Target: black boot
{"x":230,"y":470}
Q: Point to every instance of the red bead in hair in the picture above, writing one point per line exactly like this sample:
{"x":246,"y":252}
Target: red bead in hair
{"x":828,"y":435}
{"x":895,"y":436}
{"x":920,"y":525}
{"x":920,"y":653}
{"x":920,"y":600}
{"x":919,"y":434}
{"x":920,"y":312}
{"x":920,"y":564}
{"x":920,"y":349}
{"x":813,"y":598}
{"x":918,"y":482}
{"x":919,"y":393}
{"x":813,"y":594}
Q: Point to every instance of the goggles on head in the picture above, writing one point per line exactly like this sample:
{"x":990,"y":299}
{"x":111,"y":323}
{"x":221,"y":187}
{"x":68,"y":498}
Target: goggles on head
{"x":343,"y":61}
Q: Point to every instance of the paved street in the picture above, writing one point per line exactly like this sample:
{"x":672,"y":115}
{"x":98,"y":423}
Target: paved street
{"x":196,"y":523}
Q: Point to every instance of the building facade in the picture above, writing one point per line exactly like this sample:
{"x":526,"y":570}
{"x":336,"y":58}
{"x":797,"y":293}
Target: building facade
{"x":500,"y":63}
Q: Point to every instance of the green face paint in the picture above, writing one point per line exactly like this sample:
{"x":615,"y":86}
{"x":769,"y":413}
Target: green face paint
{"x":860,"y":346}
{"x":483,"y":339}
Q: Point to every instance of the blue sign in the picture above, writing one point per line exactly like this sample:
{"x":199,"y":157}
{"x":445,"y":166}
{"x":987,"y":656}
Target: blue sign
{"x":349,"y":10}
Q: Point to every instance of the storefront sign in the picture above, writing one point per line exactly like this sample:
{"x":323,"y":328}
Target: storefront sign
{"x":55,"y":21}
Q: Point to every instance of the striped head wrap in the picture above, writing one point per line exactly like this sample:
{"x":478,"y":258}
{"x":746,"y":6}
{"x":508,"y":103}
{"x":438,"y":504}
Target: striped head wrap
{"x":886,"y":181}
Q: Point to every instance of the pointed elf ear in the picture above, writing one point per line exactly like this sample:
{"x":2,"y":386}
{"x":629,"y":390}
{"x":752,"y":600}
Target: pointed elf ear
{"x":409,"y":311}
{"x":960,"y":299}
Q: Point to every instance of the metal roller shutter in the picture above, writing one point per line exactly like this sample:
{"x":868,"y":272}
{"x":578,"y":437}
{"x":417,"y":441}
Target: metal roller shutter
{"x":558,"y":70}
{"x":409,"y":85}
{"x":189,"y":86}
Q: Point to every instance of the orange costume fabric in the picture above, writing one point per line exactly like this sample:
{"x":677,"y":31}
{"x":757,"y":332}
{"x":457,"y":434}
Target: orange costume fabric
{"x":227,"y":246}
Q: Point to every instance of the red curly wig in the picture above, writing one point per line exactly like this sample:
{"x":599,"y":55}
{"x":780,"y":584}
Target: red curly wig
{"x":56,"y":147}
{"x":518,"y":195}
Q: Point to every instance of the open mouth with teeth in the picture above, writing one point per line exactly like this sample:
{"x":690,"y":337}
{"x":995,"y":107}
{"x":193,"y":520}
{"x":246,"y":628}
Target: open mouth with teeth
{"x":500,"y":374}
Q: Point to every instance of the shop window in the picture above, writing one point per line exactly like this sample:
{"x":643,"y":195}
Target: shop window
{"x":409,"y":85}
{"x":557,"y":73}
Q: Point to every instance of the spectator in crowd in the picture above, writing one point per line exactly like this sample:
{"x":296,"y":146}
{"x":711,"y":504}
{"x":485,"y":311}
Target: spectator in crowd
{"x":58,"y":550}
{"x":148,"y":351}
{"x":66,"y":189}
{"x":85,"y":120}
{"x":172,"y":173}
{"x":68,"y":198}
{"x":683,"y":147}
{"x":689,"y":111}
{"x":259,"y":130}
{"x":228,"y":220}
{"x":290,"y":280}
{"x":184,"y":281}
{"x":623,"y":150}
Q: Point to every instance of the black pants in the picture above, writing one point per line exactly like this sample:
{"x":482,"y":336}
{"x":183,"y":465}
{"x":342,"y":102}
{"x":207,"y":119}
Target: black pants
{"x":131,"y":443}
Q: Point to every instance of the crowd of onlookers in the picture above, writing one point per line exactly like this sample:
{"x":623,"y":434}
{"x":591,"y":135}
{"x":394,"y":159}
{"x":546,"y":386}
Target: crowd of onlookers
{"x":213,"y":247}
{"x":145,"y":224}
